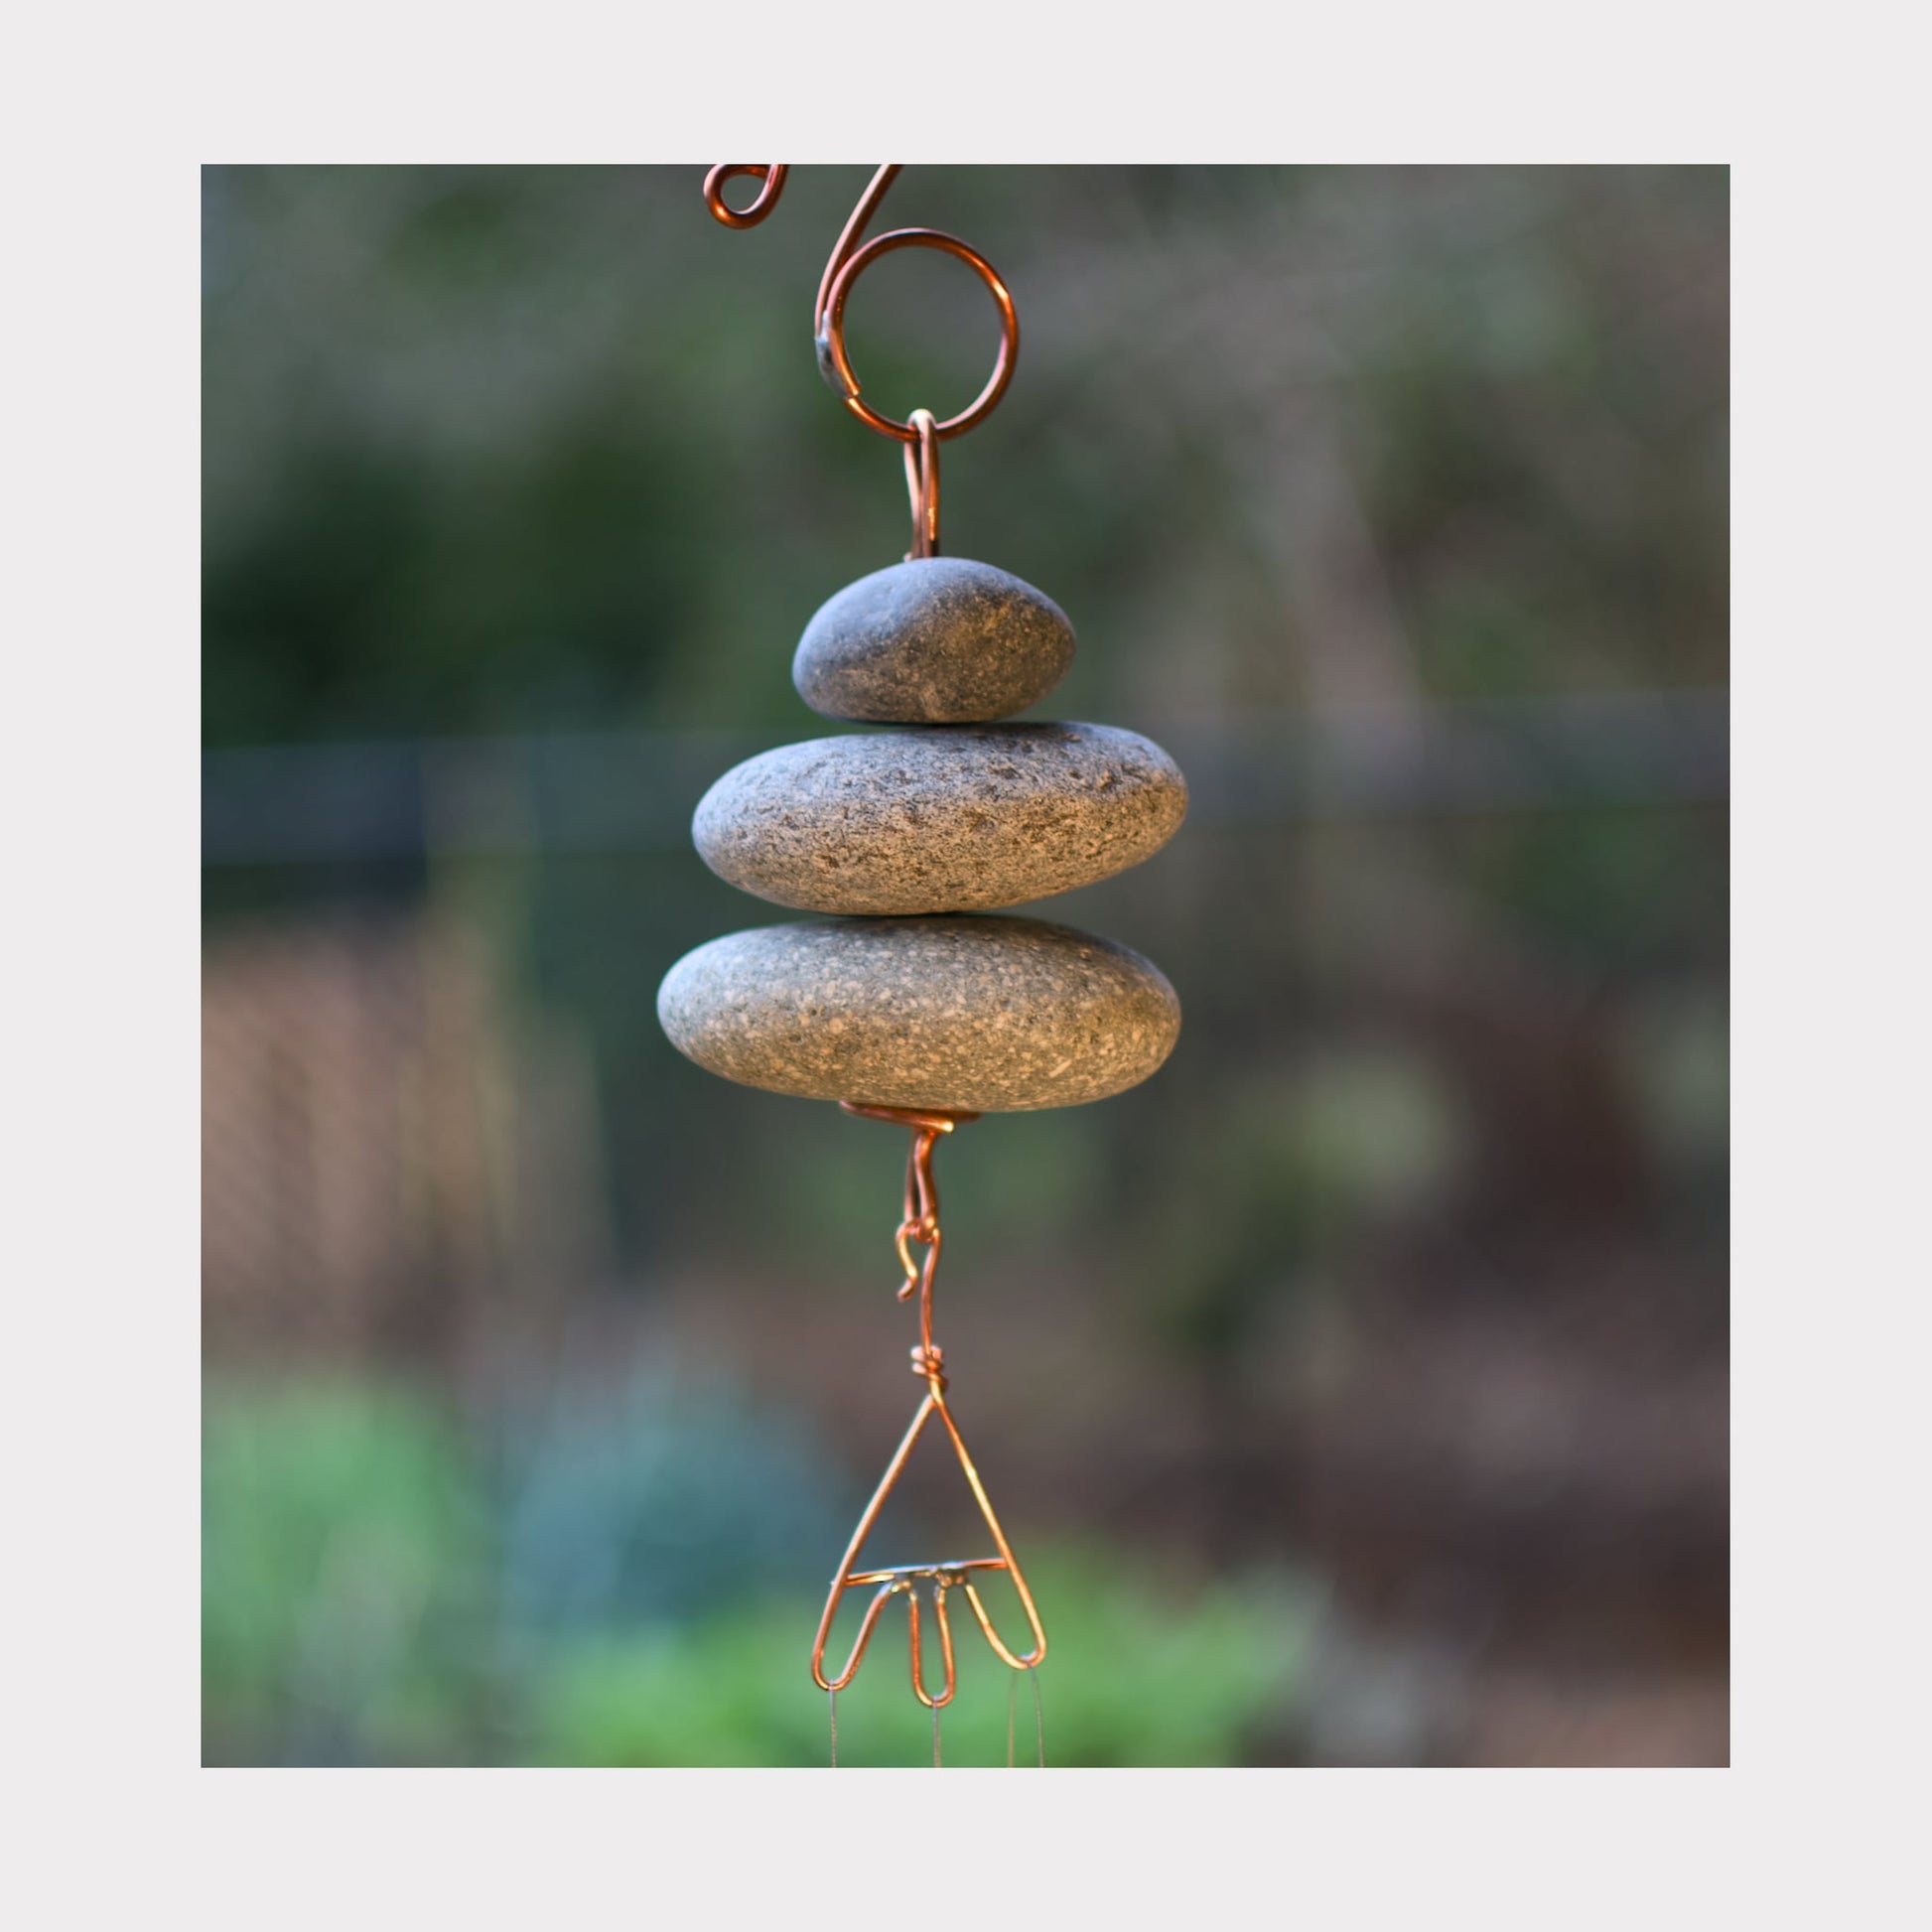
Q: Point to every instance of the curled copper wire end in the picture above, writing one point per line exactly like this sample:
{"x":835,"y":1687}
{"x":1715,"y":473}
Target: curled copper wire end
{"x":771,"y":174}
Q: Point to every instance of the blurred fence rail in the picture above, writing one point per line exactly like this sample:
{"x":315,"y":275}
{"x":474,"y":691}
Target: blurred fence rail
{"x":633,"y":790}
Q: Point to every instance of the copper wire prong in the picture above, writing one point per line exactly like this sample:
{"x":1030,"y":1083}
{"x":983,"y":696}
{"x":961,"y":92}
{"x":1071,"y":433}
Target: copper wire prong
{"x":857,"y":1654}
{"x":919,"y":1690}
{"x":1006,"y":1656}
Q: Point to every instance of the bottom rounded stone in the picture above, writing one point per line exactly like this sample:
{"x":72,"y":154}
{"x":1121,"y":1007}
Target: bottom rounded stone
{"x":953,"y":1012}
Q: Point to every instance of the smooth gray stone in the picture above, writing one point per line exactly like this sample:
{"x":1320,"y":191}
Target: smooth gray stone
{"x":986,"y":1015}
{"x":956,"y":818}
{"x":938,"y":640}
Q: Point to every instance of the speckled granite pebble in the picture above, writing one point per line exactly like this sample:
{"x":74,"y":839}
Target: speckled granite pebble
{"x":955,"y":819}
{"x":990,"y":1014}
{"x":939,"y":640}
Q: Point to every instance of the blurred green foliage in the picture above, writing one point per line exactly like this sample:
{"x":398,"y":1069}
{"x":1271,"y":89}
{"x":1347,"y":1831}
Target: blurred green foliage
{"x":640,"y":1588}
{"x":657,"y":1501}
{"x":345,"y":1558}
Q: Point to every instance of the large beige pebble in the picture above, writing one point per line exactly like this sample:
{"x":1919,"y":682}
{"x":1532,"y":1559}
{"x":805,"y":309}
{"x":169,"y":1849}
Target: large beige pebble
{"x":968,"y":1014}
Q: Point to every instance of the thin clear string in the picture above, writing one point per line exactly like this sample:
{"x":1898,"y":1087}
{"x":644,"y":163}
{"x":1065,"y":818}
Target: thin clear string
{"x":833,"y":1698}
{"x":935,"y":1738}
{"x":1039,"y":1727}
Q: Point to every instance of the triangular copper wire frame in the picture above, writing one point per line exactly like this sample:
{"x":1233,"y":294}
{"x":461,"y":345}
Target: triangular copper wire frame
{"x":920,"y":1224}
{"x":905,"y":1577}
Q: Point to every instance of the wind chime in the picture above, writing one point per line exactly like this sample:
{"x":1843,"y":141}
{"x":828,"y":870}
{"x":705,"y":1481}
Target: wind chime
{"x":908,"y":1005}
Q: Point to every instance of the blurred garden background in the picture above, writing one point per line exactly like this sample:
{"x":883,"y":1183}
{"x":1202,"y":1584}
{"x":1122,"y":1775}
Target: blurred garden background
{"x":1354,"y":1392}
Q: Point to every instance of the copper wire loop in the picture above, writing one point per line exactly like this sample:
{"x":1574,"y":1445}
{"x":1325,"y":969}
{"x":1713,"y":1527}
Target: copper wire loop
{"x":849,"y":260}
{"x":920,"y":1223}
{"x":836,"y":364}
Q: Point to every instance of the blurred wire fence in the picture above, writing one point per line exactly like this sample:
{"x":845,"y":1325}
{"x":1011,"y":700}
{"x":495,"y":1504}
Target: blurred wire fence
{"x":590,"y":791}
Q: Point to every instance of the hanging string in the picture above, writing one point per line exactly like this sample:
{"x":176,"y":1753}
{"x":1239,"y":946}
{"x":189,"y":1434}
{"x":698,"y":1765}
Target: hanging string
{"x":1039,"y":1729}
{"x":935,"y":1738}
{"x":834,"y":1696}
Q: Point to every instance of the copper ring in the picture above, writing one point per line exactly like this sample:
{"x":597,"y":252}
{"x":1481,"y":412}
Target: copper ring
{"x":831,"y":343}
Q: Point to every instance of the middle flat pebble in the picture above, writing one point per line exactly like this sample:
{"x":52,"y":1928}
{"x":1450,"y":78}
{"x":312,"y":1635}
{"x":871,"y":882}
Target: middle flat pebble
{"x":942,"y":819}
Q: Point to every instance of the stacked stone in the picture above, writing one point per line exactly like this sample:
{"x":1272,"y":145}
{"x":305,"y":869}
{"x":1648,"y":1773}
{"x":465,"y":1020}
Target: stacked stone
{"x":910,"y":997}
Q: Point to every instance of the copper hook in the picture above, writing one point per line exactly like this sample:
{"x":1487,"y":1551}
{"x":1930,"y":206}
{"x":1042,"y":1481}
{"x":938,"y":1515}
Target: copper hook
{"x":771,"y":174}
{"x":922,"y":486}
{"x":850,"y":258}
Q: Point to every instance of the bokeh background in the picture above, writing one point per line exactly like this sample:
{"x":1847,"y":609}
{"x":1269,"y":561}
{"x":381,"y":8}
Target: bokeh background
{"x":1354,"y":1391}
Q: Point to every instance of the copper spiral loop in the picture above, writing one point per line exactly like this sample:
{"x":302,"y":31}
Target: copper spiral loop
{"x":919,"y":1224}
{"x":850,"y":258}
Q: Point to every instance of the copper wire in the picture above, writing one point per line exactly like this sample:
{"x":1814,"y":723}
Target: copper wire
{"x":920,"y":1225}
{"x":771,"y":175}
{"x":850,"y":258}
{"x":922,"y":486}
